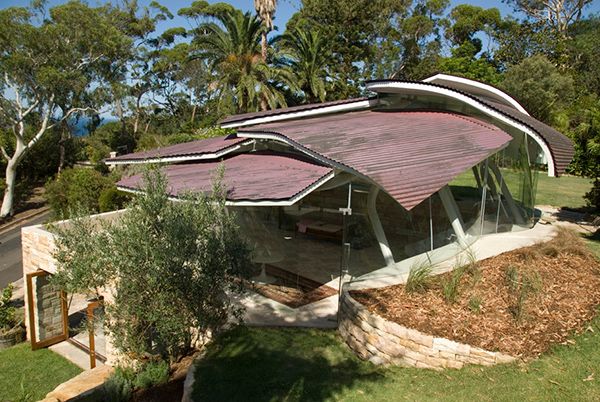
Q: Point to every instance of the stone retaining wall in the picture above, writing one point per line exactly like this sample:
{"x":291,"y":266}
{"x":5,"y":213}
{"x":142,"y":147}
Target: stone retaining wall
{"x":383,"y":342}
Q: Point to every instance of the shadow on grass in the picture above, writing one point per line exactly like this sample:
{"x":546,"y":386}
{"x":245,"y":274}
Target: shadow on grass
{"x":249,"y":364}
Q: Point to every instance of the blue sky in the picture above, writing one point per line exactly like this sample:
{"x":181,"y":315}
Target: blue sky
{"x":285,"y":8}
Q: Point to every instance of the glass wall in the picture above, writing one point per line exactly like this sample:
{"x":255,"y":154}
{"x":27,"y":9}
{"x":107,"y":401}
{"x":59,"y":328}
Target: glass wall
{"x":423,"y":229}
{"x":304,"y":241}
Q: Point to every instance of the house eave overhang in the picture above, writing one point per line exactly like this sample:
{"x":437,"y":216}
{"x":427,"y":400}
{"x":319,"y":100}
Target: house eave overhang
{"x":180,"y":158}
{"x":477,"y":87}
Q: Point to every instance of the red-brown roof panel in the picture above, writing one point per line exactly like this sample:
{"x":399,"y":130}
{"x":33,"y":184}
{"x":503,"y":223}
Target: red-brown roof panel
{"x":411,"y":155}
{"x":247,"y":177}
{"x":193,"y":148}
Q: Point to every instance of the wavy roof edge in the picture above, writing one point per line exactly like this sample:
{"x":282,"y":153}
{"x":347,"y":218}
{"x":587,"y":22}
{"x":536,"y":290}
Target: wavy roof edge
{"x":560,"y":147}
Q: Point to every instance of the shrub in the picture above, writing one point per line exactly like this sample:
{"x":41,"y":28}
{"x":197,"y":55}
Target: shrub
{"x":111,"y":199}
{"x":190,"y":254}
{"x":8,"y":314}
{"x":151,"y":374}
{"x":76,"y":189}
{"x":475,"y":303}
{"x":451,"y":283}
{"x":419,"y":277}
{"x":119,"y":388}
{"x":593,"y":196}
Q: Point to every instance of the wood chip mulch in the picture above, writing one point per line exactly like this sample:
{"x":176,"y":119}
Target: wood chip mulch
{"x":567,"y":298}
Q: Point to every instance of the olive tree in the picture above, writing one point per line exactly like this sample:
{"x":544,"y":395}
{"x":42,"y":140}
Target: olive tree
{"x":171,"y":268}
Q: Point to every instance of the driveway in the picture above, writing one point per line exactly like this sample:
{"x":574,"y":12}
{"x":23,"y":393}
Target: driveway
{"x":11,"y":267}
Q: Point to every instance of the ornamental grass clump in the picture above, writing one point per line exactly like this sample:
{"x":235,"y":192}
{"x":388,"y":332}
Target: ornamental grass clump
{"x":522,"y":285}
{"x":170,"y":268}
{"x":419,"y":277}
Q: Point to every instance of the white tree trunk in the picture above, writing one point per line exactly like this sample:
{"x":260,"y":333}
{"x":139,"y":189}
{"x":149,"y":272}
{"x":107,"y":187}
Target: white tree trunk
{"x":9,"y":191}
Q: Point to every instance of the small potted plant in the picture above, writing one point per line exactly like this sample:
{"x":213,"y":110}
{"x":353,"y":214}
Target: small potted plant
{"x":11,"y":330}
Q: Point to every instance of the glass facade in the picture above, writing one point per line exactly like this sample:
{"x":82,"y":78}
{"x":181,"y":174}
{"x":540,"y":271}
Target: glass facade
{"x":315,"y":239}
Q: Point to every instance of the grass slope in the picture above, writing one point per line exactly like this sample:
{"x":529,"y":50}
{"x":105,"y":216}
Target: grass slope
{"x":253,"y":364}
{"x":39,"y":372}
{"x":314,"y":365}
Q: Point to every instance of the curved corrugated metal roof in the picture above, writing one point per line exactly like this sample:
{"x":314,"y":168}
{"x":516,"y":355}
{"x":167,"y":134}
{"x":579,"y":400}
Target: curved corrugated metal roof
{"x":210,"y":148}
{"x":237,"y":118}
{"x":561,"y":147}
{"x":411,"y":155}
{"x":247,"y":177}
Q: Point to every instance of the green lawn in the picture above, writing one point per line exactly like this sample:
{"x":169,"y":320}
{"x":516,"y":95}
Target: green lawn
{"x":252,"y":364}
{"x":39,"y":372}
{"x":564,"y":191}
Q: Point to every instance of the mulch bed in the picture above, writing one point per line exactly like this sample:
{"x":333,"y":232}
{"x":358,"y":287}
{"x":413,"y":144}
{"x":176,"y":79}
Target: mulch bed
{"x":291,"y":289}
{"x":567,"y":298}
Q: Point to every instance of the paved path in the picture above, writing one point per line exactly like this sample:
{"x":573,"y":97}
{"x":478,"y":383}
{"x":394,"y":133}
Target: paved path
{"x":10,"y":251}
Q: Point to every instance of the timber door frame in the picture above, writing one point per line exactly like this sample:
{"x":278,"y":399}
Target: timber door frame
{"x":32,"y":320}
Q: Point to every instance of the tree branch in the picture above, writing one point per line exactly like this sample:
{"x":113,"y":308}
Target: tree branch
{"x":44,"y":126}
{"x":69,"y":113}
{"x":4,"y":153}
{"x":84,"y":63}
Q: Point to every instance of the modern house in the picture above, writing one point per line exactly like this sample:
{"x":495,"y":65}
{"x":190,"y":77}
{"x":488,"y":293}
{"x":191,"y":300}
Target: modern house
{"x":420,"y":170}
{"x":359,"y":190}
{"x":355,"y":191}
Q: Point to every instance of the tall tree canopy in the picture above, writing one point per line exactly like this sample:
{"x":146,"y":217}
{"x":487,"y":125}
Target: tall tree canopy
{"x":62,"y":61}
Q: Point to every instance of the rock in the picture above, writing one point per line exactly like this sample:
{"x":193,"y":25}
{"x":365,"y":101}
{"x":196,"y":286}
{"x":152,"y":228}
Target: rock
{"x":81,"y":385}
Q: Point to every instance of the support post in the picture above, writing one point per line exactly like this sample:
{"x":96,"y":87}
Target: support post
{"x":514,"y":209}
{"x":377,"y":227}
{"x":453,"y":214}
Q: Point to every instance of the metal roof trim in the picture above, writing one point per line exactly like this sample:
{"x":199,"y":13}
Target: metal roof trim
{"x":286,"y":114}
{"x":180,"y":158}
{"x":510,"y":101}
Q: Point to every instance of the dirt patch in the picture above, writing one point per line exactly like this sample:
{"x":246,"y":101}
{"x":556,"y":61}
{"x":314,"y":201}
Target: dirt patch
{"x":519,"y":303}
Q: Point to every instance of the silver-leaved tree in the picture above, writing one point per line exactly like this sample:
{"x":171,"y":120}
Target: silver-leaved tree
{"x":52,"y":67}
{"x":171,"y":268}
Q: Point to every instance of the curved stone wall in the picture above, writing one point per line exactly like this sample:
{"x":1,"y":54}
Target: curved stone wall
{"x":383,"y":342}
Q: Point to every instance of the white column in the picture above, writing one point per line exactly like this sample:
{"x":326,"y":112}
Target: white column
{"x":377,"y":228}
{"x":514,"y":209}
{"x":453,"y":213}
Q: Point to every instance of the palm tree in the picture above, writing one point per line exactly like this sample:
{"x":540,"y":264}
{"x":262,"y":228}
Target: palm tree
{"x":265,"y":10}
{"x":305,"y":56}
{"x":241,"y":76}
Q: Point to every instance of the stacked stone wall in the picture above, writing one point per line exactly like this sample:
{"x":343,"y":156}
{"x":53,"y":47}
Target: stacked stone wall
{"x":380,"y":341}
{"x":38,"y":248}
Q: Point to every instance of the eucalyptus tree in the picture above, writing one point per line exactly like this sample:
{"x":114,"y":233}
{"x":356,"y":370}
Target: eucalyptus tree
{"x":556,"y":14}
{"x":469,"y":59}
{"x":229,"y":41}
{"x":266,"y":11}
{"x":62,"y":58}
{"x":306,"y":56}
